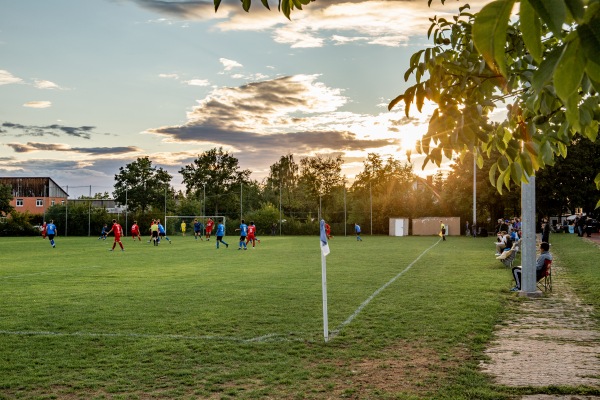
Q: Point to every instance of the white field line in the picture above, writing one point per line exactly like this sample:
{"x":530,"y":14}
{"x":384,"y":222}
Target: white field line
{"x":273,"y":337}
{"x":375,"y":293}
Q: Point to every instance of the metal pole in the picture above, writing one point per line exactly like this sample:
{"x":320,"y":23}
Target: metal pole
{"x":90,"y":214}
{"x":165,"y":220}
{"x":474,"y":222}
{"x":241,"y":201}
{"x":345,"y":210}
{"x":126,"y":209}
{"x":67,"y":211}
{"x":528,"y":273}
{"x":204,"y":201}
{"x":45,"y":198}
{"x":280,"y":203}
{"x":371,"y":202}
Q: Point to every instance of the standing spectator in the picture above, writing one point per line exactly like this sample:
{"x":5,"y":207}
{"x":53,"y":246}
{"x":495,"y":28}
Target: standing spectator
{"x":51,"y":232}
{"x":243,"y":233}
{"x":135,"y":231}
{"x":198,"y":229}
{"x":209,"y":227}
{"x":220,"y":234}
{"x":467,"y":231}
{"x":357,"y":231}
{"x":545,"y":230}
{"x":183,"y":226}
{"x":116,"y":230}
{"x":273,"y":228}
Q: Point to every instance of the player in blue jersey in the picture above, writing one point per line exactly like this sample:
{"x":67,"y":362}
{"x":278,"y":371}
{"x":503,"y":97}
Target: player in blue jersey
{"x":161,"y":231}
{"x":220,"y":234}
{"x":198,"y":229}
{"x":357,"y":231}
{"x":51,"y":232}
{"x":243,"y":233}
{"x":103,"y":234}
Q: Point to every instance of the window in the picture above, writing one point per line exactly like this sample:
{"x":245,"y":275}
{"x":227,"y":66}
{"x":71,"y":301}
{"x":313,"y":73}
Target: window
{"x":52,"y":202}
{"x":39,"y":202}
{"x":19,"y":202}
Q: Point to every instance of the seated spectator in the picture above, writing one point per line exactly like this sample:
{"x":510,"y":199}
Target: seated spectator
{"x":539,"y":266}
{"x":504,"y":242}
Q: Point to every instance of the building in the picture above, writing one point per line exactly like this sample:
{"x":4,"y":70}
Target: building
{"x":34,"y":194}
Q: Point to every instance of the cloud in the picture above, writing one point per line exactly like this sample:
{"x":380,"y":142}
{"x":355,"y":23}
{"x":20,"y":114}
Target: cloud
{"x":36,"y":146}
{"x":6,"y":78}
{"x":38,"y":104}
{"x":198,"y":82}
{"x":169,"y":76}
{"x":230,"y":64}
{"x":42,"y":84}
{"x":83,"y":132}
{"x":384,"y":23}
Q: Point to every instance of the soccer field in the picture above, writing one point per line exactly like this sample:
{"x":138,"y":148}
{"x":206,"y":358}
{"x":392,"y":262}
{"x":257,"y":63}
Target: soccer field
{"x":189,"y":320}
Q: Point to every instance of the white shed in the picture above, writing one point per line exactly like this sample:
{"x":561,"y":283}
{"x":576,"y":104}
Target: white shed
{"x":398,"y":226}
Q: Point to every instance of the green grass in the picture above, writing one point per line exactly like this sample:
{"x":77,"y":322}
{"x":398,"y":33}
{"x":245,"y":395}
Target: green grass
{"x":189,"y":321}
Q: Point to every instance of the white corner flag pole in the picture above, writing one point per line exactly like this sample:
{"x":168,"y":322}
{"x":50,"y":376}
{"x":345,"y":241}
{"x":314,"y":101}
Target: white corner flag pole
{"x":324,"y":252}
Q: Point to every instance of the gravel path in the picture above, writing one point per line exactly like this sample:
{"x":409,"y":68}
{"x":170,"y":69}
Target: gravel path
{"x":551,"y":341}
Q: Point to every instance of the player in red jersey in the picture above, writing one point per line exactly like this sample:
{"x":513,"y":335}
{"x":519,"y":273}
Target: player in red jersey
{"x":117,"y":230}
{"x":135,"y":231}
{"x":251,"y":237}
{"x":328,"y":230}
{"x":209,"y":227}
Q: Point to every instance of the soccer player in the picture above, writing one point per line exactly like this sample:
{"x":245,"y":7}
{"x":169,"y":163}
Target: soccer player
{"x":251,"y":234}
{"x":183,"y":226}
{"x":243,"y":233}
{"x":442,"y":230}
{"x":209,"y":227}
{"x":161,"y":231}
{"x":116,"y":230}
{"x":220,"y":234}
{"x":135,"y":231}
{"x":357,"y":231}
{"x":328,"y":230}
{"x":44,"y":229}
{"x":51,"y":232}
{"x":103,"y":232}
{"x":154,"y":233}
{"x":198,"y":229}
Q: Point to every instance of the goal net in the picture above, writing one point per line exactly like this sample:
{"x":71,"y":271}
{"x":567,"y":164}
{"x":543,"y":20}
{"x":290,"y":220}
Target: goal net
{"x":174,"y":224}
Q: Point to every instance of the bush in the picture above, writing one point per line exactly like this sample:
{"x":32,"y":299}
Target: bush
{"x":19,"y":224}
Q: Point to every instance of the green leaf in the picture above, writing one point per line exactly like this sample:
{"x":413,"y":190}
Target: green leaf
{"x":576,"y":9}
{"x":246,"y":5}
{"x":395,"y":101}
{"x":544,"y":73}
{"x":589,"y":35}
{"x":285,"y":7}
{"x":489,"y":33}
{"x":266,"y":4}
{"x":492,"y":173}
{"x":217,"y":4}
{"x":553,"y":13}
{"x":569,"y":70}
{"x":420,"y":96}
{"x":597,"y":181}
{"x":531,"y":28}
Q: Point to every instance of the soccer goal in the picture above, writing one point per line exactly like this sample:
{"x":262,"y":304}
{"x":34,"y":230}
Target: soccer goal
{"x":174,"y":224}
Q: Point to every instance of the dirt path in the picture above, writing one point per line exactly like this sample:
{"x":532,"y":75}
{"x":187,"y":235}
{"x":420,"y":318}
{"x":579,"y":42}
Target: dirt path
{"x":551,"y":341}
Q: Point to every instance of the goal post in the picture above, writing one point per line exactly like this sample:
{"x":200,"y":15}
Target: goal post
{"x":173,"y":223}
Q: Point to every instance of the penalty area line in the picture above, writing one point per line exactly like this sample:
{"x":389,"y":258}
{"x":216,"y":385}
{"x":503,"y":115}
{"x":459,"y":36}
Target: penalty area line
{"x":375,"y":293}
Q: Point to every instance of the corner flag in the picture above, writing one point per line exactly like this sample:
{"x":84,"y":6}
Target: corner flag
{"x":324,"y":244}
{"x":324,"y":252}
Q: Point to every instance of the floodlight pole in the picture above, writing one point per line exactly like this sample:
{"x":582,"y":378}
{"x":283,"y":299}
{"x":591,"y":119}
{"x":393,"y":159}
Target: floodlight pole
{"x":474,"y":221}
{"x":241,"y":201}
{"x":204,"y":200}
{"x":280,"y":202}
{"x":126,"y":210}
{"x":90,"y":214}
{"x":345,"y":210}
{"x":371,"y":205}
{"x":67,"y":211}
{"x":528,"y":272}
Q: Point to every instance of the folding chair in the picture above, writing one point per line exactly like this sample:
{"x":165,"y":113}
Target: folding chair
{"x":508,"y":257}
{"x":545,"y":283}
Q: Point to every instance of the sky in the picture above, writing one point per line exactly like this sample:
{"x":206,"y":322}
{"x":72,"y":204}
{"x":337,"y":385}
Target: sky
{"x":87,"y":87}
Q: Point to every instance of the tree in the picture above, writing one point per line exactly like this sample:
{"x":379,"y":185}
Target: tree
{"x":319,"y":175}
{"x":544,"y":64}
{"x":283,"y":175}
{"x":141,"y":185}
{"x":215,"y":174}
{"x":5,"y":199}
{"x":285,"y":6}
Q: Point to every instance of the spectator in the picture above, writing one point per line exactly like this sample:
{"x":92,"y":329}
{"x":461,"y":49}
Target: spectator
{"x":539,"y":266}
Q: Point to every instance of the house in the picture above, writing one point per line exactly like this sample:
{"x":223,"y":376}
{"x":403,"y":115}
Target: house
{"x":34,"y":194}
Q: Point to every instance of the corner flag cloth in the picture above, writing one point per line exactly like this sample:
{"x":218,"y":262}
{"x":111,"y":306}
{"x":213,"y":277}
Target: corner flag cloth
{"x":324,"y":245}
